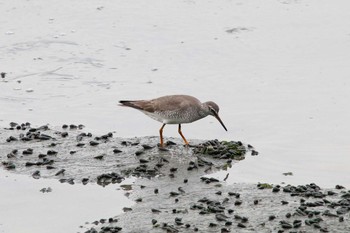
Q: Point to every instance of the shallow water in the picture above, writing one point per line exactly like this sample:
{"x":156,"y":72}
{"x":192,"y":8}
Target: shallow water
{"x":64,"y":209}
{"x":278,"y":70}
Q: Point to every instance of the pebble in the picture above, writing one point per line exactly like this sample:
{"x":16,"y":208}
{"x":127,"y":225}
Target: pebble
{"x":241,"y":225}
{"x":51,"y":152}
{"x":127,"y":209}
{"x":28,"y":151}
{"x":155,"y":211}
{"x":139,"y":152}
{"x":93,"y":143}
{"x":238,"y":202}
{"x":60,"y":172}
{"x":173,"y":194}
{"x":284,"y":202}
{"x":85,"y":181}
{"x":9,"y":165}
{"x":116,"y":151}
{"x":99,"y":157}
{"x":147,"y":147}
{"x":36,"y":175}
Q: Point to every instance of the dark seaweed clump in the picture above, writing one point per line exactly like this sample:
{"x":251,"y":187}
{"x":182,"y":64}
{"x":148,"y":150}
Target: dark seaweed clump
{"x":222,"y":149}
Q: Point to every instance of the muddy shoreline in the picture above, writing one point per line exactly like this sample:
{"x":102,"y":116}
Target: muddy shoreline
{"x":175,"y":190}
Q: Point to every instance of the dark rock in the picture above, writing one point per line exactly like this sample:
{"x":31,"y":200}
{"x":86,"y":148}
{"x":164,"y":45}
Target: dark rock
{"x":85,"y":181}
{"x":36,"y":175}
{"x":241,"y":225}
{"x":116,"y":151}
{"x":147,"y":147}
{"x":155,"y":211}
{"x":93,"y":143}
{"x":139,"y":152}
{"x":28,"y":151}
{"x":60,"y":172}
{"x":99,"y":157}
{"x":51,"y":152}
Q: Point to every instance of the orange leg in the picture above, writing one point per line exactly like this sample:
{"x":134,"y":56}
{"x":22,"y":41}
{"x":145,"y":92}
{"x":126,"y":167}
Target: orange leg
{"x":183,"y":137}
{"x":161,"y":136}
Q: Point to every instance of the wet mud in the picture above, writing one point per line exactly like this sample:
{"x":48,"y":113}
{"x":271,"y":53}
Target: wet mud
{"x":176,"y":190}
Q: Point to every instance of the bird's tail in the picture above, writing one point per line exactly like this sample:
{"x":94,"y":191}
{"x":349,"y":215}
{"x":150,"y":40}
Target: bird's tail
{"x":130,"y":103}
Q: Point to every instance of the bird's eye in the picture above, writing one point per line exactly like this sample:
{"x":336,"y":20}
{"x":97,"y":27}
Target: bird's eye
{"x":212,"y":110}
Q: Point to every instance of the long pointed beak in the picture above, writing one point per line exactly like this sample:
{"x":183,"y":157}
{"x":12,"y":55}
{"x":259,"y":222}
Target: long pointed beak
{"x":217,"y":117}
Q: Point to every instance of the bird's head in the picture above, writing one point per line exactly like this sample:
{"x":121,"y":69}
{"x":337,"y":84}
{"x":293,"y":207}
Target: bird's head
{"x":213,"y":109}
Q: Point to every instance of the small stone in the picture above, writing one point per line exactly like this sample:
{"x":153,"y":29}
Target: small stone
{"x":212,"y":224}
{"x":85,"y":181}
{"x":28,"y":151}
{"x":224,"y":230}
{"x":139,"y":152}
{"x":93,"y":143}
{"x":116,"y":151}
{"x":284,"y":202}
{"x":241,"y":225}
{"x":155,"y":211}
{"x":254,"y":153}
{"x":172,"y":194}
{"x":147,"y":147}
{"x":144,"y":161}
{"x":173,"y":169}
{"x":238,"y":202}
{"x":36,"y":175}
{"x":127,"y":209}
{"x":51,"y":152}
{"x":60,"y":172}
{"x":99,"y":157}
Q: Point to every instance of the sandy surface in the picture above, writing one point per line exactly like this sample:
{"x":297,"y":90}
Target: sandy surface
{"x":174,"y":190}
{"x":278,"y":70}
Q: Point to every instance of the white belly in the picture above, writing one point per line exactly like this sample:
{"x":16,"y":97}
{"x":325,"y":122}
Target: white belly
{"x":170,"y":118}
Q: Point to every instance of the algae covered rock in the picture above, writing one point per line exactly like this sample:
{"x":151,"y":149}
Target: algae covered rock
{"x":222,"y":149}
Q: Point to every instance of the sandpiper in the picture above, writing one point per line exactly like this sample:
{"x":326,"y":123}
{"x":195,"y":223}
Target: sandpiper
{"x":175,"y":109}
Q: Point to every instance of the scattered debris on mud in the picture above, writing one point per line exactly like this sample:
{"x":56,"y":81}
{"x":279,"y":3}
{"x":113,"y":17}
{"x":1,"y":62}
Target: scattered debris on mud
{"x":175,"y":191}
